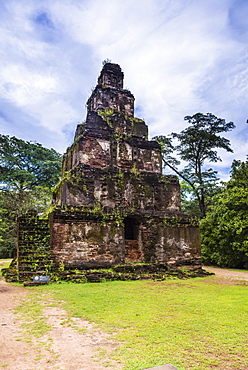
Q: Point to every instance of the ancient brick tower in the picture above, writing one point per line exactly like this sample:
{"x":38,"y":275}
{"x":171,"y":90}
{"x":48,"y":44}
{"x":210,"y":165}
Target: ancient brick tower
{"x":113,"y":204}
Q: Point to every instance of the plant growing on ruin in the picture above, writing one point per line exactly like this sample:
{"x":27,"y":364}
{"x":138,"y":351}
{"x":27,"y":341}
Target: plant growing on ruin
{"x":134,"y":171}
{"x":106,"y":114}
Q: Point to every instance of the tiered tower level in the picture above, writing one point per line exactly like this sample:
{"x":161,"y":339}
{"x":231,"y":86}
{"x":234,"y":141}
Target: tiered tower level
{"x":113,"y":204}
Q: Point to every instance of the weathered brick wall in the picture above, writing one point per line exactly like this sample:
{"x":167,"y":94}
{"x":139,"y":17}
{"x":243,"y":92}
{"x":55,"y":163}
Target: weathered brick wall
{"x":174,"y":241}
{"x":84,"y":240}
{"x":111,"y":75}
{"x":144,"y":192}
{"x":105,"y":97}
{"x":119,"y":142}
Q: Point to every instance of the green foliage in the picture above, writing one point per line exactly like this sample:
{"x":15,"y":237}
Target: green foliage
{"x":134,"y":171}
{"x":24,"y":164}
{"x":198,"y":141}
{"x":225,"y":229}
{"x":106,"y":61}
{"x":176,"y":221}
{"x":13,"y":204}
{"x":27,"y":172}
{"x":167,"y":149}
{"x":239,"y":174}
{"x":189,"y":202}
{"x":106,"y":115}
{"x":197,"y":144}
{"x":4,"y":264}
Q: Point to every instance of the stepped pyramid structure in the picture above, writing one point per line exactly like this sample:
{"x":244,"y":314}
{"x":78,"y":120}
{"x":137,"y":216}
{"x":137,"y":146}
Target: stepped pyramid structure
{"x":113,"y":205}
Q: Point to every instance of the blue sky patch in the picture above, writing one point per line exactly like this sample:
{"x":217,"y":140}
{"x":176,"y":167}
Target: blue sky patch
{"x":44,"y":20}
{"x":45,"y":28}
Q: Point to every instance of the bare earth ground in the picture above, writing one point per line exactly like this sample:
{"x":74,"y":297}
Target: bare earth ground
{"x":228,"y":274}
{"x":64,"y":347}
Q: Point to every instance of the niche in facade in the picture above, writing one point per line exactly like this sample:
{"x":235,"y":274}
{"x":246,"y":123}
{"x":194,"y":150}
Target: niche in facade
{"x":132,"y":242}
{"x":131,"y":228}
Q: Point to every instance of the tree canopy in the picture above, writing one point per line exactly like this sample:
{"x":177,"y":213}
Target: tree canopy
{"x":24,"y":164}
{"x":27,"y":173}
{"x":14,"y":204}
{"x":197,"y":144}
{"x":225,"y":228}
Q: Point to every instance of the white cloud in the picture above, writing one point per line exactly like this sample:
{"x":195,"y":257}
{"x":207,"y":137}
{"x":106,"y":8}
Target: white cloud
{"x":25,"y":87}
{"x":179,"y":57}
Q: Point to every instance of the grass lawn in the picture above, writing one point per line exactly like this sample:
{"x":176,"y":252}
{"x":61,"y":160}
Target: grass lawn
{"x":195,"y":324}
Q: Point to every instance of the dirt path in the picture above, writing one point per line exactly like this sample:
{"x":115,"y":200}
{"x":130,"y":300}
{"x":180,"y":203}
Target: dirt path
{"x":229,"y":274}
{"x":70,"y":344}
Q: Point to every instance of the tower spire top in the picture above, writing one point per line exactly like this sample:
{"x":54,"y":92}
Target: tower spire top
{"x":111,"y":76}
{"x":109,"y":92}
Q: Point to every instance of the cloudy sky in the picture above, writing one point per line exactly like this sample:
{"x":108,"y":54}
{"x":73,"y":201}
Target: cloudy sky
{"x":179,"y":57}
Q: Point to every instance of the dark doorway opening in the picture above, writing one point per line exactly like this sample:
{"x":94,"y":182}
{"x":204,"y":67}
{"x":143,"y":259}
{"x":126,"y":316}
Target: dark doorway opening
{"x":132,"y":243}
{"x":131,"y":228}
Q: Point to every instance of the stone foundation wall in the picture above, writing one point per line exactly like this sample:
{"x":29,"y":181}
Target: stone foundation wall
{"x":174,"y":245}
{"x":92,"y":240}
{"x":78,"y":242}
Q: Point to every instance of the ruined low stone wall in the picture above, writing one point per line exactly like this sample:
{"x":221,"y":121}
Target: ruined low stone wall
{"x":33,"y":249}
{"x":85,"y":240}
{"x":91,"y":239}
{"x":174,"y":241}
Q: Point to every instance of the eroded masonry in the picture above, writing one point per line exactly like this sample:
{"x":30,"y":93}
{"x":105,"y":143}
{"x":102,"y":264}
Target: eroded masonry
{"x":113,"y":205}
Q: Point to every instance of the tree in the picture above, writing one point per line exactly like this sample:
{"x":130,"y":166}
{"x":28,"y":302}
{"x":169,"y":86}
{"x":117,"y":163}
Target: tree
{"x":189,"y":201}
{"x":196,"y":145}
{"x":14,"y":204}
{"x":27,"y":173}
{"x":239,"y":174}
{"x":225,"y":228}
{"x":24,"y":164}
